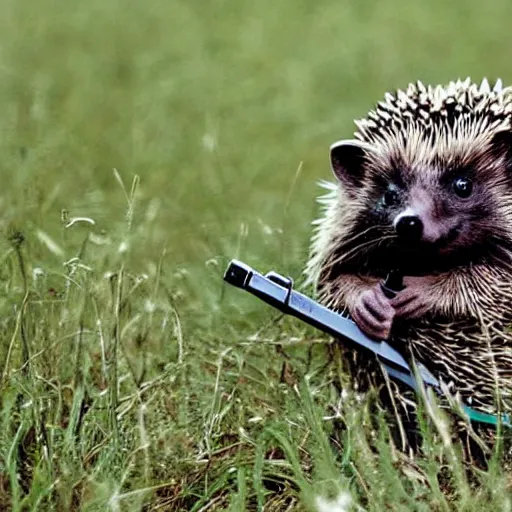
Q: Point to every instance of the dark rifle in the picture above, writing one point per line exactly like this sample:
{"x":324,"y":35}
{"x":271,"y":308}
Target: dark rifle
{"x":278,"y":291}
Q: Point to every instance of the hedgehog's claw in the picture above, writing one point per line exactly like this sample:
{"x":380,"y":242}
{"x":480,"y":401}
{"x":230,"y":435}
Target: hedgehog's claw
{"x":373,"y":313}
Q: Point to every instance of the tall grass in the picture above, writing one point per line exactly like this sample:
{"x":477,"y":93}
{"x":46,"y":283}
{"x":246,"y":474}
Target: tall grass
{"x":142,"y":146}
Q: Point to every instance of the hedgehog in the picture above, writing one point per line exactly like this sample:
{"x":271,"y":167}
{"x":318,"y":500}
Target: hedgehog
{"x":425,"y":187}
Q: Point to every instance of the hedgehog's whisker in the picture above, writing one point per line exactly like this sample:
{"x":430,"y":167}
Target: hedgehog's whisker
{"x":367,"y":244}
{"x":363,"y":233}
{"x":358,"y":248}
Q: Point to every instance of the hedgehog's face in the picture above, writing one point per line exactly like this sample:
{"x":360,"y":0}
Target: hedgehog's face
{"x":437,"y":211}
{"x":434,"y":206}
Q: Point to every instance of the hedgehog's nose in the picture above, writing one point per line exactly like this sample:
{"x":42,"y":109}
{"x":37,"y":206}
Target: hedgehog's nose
{"x":410,"y":227}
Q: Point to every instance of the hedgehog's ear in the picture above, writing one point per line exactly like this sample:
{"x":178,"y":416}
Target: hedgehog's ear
{"x":347,"y":162}
{"x":502,"y":143}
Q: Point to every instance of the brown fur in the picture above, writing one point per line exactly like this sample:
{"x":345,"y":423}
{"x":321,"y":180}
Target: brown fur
{"x":460,"y":276}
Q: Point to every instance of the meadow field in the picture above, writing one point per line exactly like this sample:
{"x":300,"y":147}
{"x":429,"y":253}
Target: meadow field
{"x":142,"y":146}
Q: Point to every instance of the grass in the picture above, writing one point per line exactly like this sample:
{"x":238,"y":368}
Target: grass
{"x":144,"y":145}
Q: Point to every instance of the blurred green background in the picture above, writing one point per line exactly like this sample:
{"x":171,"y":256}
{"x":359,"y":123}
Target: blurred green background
{"x":225,"y":110}
{"x":215,"y":105}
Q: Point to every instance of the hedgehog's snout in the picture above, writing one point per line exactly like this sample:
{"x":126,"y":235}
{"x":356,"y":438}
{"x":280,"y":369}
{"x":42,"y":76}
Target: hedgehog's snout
{"x":420,"y":225}
{"x":422,"y":219}
{"x":409,"y":227}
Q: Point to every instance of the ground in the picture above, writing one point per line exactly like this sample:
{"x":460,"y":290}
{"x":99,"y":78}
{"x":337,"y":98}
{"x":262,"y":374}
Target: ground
{"x":143,"y":145}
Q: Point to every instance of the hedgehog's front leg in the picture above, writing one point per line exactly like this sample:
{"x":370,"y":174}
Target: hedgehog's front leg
{"x":364,"y":299}
{"x":416,"y":298}
{"x":447,"y":294}
{"x":373,"y":312}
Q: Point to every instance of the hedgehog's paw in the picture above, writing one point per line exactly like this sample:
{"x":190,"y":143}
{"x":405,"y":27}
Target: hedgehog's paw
{"x":413,"y":301}
{"x":373,"y":313}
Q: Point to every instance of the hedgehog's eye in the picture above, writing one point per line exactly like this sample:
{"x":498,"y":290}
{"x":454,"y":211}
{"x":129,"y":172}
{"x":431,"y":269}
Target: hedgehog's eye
{"x":390,"y":197}
{"x":462,"y":187}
